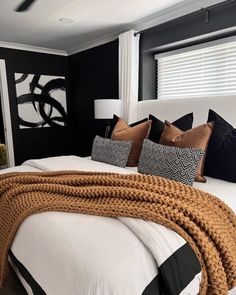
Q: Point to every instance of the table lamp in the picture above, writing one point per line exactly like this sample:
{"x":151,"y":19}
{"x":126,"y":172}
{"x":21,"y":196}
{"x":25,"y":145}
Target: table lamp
{"x":105,"y":109}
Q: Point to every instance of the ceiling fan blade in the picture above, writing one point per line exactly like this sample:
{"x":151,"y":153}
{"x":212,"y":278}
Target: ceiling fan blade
{"x":25,"y":5}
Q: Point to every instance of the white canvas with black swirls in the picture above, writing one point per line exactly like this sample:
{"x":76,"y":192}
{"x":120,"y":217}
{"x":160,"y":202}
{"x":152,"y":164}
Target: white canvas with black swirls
{"x":41,"y":100}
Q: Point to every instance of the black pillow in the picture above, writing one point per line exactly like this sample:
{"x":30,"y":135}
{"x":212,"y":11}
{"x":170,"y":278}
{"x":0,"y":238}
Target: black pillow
{"x":115,"y":120}
{"x":221,"y":153}
{"x":184,"y":123}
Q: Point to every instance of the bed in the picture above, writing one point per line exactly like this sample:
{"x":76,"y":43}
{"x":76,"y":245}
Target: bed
{"x":68,"y":253}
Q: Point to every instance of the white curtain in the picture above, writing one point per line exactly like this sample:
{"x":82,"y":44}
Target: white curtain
{"x":128,"y":74}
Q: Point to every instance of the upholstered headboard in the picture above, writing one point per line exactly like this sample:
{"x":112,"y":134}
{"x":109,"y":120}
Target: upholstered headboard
{"x":172,"y":109}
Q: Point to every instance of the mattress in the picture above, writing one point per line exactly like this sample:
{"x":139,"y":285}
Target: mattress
{"x":65,"y":253}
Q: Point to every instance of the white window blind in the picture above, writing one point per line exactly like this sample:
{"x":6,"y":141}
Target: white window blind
{"x":205,"y":70}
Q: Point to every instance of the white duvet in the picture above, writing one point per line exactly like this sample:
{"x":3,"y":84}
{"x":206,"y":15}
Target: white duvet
{"x":72,"y":254}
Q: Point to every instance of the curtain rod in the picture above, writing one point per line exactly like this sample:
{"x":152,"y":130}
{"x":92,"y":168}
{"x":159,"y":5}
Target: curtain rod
{"x":205,"y":9}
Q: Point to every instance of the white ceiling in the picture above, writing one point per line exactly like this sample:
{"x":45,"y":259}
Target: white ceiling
{"x":93,"y":20}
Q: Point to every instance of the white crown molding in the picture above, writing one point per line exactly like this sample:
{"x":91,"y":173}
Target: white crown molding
{"x":95,"y":43}
{"x":168,"y":14}
{"x":142,"y":24}
{"x":175,"y":11}
{"x":32,"y":48}
{"x":201,"y":38}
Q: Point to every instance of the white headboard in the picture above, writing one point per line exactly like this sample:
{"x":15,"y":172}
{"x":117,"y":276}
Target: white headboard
{"x":172,"y":109}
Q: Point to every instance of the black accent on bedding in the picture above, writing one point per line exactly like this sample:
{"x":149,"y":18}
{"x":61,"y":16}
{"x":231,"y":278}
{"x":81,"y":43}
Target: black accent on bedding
{"x":175,"y":273}
{"x":153,"y":288}
{"x":36,"y":289}
{"x":179,"y":270}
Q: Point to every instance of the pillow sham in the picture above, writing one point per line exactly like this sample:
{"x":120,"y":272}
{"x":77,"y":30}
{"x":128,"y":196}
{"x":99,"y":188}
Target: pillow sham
{"x":221,"y":154}
{"x":174,"y":163}
{"x":184,"y":123}
{"x":110,"y":152}
{"x":137,"y":133}
{"x":115,"y":120}
{"x":197,"y":137}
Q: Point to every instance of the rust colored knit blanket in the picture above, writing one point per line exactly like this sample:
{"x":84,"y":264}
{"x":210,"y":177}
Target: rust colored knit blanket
{"x":205,"y":222}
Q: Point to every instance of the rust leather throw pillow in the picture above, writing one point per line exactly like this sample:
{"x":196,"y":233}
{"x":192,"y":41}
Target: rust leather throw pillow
{"x":197,"y":137}
{"x":116,"y":118}
{"x":137,"y":133}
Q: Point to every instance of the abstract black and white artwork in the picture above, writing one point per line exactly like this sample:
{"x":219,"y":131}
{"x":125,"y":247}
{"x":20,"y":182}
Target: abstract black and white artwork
{"x":41,"y":100}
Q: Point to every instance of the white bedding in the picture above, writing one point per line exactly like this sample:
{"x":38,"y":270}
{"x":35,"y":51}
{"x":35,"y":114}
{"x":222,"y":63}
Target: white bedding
{"x":75,"y":254}
{"x":224,"y":190}
{"x":91,"y":262}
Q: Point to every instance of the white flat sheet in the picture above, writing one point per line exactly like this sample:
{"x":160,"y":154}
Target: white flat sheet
{"x":20,"y":169}
{"x":73,"y":163}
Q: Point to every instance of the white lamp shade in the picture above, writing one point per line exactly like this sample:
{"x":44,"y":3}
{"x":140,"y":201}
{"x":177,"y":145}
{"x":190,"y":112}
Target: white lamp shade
{"x":106,"y":108}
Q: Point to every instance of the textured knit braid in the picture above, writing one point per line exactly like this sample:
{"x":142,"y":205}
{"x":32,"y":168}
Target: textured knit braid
{"x":206,"y":223}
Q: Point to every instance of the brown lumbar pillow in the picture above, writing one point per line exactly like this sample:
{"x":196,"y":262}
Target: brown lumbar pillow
{"x":137,"y":133}
{"x":197,"y":137}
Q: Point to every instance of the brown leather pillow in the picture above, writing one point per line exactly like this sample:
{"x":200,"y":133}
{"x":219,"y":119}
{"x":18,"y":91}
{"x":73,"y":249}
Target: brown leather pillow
{"x":137,"y":133}
{"x":197,"y":137}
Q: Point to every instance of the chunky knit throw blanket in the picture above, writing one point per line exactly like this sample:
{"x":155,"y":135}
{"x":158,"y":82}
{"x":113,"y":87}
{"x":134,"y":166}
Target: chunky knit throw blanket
{"x":205,"y":222}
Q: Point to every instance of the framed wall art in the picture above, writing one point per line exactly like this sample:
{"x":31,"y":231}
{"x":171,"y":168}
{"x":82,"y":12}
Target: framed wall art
{"x":41,"y":100}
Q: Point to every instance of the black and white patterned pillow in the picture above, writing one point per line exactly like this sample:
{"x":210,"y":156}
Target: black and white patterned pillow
{"x":111,"y":151}
{"x":174,"y":163}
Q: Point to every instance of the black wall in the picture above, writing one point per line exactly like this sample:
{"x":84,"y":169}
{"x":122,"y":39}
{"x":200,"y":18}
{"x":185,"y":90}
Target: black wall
{"x":36,"y":142}
{"x":220,"y":17}
{"x":93,"y":74}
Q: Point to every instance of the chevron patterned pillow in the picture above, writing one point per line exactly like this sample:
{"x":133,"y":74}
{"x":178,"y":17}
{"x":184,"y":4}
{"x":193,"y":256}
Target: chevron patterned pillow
{"x":174,"y":163}
{"x":111,"y":152}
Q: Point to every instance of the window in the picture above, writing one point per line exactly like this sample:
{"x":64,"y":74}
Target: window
{"x":207,"y":69}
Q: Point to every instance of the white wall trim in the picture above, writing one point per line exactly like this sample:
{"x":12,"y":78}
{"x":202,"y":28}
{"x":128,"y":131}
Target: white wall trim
{"x":6,"y":113}
{"x":32,"y":48}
